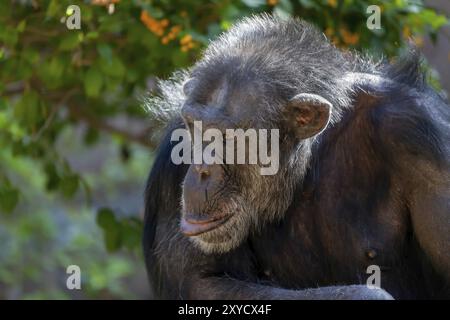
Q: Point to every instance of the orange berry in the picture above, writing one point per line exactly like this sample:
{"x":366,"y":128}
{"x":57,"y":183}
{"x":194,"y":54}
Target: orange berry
{"x":348,"y":37}
{"x":164,"y":23}
{"x":332,"y":3}
{"x":144,"y":15}
{"x":176,"y":28}
{"x":186,"y":39}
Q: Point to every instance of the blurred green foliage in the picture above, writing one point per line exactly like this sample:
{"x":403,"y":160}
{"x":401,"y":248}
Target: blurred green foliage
{"x":54,"y":80}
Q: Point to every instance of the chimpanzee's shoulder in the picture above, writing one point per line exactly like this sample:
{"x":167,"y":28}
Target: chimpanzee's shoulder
{"x":408,"y":117}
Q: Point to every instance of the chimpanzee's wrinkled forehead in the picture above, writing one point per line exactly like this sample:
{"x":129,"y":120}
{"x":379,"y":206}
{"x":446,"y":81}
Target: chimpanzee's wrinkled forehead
{"x":231,"y":86}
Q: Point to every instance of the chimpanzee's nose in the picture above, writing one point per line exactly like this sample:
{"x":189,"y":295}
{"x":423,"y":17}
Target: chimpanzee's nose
{"x":201,"y":184}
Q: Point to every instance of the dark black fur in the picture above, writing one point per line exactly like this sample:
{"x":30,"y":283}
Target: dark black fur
{"x":355,"y":200}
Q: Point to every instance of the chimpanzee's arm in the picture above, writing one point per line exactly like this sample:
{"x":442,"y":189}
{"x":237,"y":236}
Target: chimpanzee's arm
{"x":228,"y":288}
{"x":180,"y":271}
{"x":419,"y":140}
{"x":429,"y":204}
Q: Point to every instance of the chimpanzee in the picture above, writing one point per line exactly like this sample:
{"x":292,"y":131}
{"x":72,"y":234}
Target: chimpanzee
{"x":363,"y":179}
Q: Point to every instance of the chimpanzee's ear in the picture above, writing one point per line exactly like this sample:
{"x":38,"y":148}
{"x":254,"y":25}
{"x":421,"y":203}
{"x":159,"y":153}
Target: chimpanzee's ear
{"x":308,"y":114}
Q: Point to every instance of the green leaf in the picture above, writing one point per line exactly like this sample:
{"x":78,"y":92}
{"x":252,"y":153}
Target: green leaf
{"x":55,"y":68}
{"x":92,"y":35}
{"x":113,"y":68}
{"x":3,"y":104}
{"x":131,"y":233}
{"x":21,"y":26}
{"x":53,"y":9}
{"x":106,"y":218}
{"x":71,"y":41}
{"x":179,"y":58}
{"x":105,"y":51}
{"x":9,"y":197}
{"x":309,"y":4}
{"x":53,"y":178}
{"x":112,"y":233}
{"x":54,"y":72}
{"x":31,"y":55}
{"x":91,"y":136}
{"x":112,"y":239}
{"x":29,"y":110}
{"x":4,"y":123}
{"x":93,"y":82}
{"x":69,"y":185}
{"x":9,"y":36}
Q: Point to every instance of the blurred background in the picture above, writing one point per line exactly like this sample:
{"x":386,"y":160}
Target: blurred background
{"x":76,"y":143}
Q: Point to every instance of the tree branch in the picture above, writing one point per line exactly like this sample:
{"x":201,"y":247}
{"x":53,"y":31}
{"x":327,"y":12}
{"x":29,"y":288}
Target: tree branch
{"x":81,"y":115}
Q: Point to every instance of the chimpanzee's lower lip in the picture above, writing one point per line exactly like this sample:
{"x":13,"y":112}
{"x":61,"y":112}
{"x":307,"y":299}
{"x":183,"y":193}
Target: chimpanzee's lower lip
{"x":194,"y":227}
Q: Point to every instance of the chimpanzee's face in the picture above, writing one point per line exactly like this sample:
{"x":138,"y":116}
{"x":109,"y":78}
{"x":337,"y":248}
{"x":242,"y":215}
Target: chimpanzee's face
{"x":223,"y":202}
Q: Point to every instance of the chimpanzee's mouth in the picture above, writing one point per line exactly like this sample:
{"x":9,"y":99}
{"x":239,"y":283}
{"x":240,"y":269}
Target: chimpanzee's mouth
{"x":194,"y":225}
